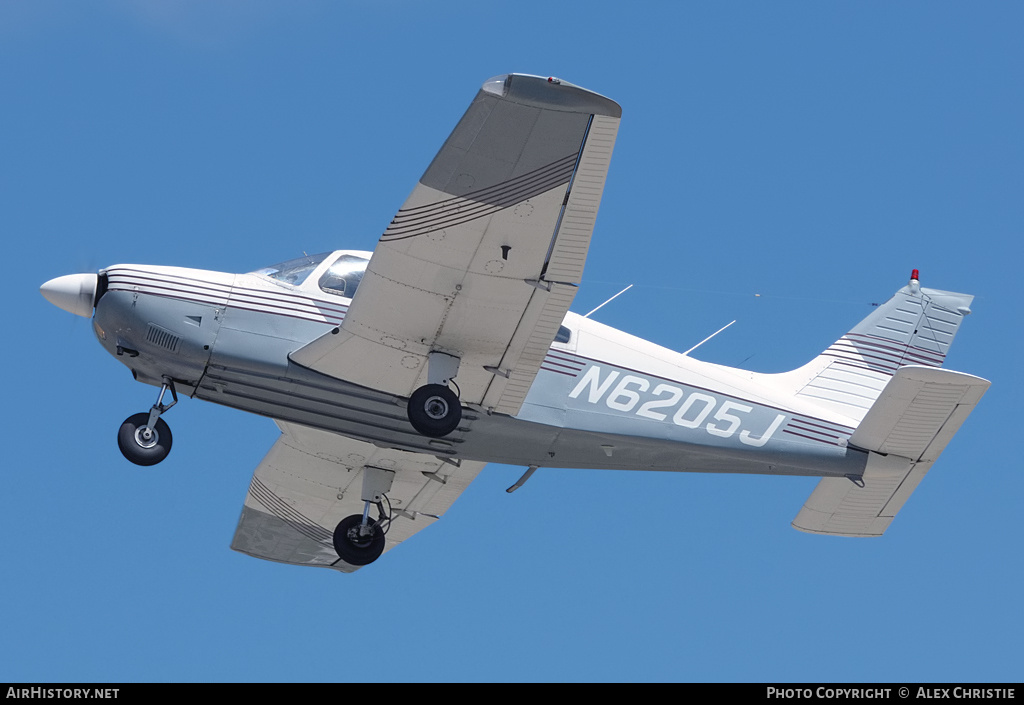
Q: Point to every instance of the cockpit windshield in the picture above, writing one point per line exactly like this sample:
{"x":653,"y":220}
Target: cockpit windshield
{"x":294,"y":271}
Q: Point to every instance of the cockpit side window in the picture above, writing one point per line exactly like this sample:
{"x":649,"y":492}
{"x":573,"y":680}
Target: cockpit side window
{"x":343,"y":277}
{"x":294,"y":271}
{"x":563,"y":335}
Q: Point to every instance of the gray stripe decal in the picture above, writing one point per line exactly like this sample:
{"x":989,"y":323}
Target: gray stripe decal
{"x":479,"y":204}
{"x":286,"y":513}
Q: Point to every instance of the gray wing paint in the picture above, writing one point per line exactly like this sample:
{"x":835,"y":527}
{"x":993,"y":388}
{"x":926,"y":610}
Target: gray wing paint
{"x":310,"y":480}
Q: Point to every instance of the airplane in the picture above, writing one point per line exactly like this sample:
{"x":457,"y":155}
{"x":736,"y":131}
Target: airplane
{"x":395,"y":376}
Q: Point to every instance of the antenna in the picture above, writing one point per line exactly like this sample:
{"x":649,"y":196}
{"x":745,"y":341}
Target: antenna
{"x":614,"y":297}
{"x":708,"y":338}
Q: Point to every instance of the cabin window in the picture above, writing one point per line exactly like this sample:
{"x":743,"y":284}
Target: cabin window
{"x":294,"y":271}
{"x":563,"y":335}
{"x":343,"y":277}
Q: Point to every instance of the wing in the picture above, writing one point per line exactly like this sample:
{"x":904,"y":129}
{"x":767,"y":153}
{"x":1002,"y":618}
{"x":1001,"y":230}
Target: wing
{"x":483,"y":259}
{"x":312,"y":479}
{"x":913,"y":420}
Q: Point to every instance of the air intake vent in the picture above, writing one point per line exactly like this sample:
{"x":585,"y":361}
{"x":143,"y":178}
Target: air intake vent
{"x":162,"y":337}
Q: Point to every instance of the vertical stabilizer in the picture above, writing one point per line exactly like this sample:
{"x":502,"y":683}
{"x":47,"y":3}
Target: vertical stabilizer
{"x":915,"y":327}
{"x":884,"y":375}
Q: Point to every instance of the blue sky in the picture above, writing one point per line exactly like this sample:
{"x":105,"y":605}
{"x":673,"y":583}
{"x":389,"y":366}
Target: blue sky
{"x":812,"y":153}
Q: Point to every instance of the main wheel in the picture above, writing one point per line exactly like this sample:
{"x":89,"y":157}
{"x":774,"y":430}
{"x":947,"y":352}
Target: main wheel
{"x":141,"y":445}
{"x":354,"y":547}
{"x":434,"y":410}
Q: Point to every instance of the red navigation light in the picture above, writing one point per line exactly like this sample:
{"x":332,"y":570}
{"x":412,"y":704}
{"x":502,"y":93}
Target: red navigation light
{"x":914,"y":275}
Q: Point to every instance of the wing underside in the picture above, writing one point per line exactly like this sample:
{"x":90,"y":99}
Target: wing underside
{"x":483,"y":259}
{"x":312,"y":479}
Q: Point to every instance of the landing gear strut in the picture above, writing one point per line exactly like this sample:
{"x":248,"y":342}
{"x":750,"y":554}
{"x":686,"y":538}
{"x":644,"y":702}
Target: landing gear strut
{"x":145,"y":439}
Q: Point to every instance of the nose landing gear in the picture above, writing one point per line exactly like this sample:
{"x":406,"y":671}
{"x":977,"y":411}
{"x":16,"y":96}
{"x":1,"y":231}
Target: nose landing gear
{"x":145,"y":439}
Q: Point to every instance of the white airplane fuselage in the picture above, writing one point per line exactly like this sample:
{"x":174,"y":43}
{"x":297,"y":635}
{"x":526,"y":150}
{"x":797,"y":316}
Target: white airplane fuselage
{"x":404,"y":371}
{"x":602,"y":399}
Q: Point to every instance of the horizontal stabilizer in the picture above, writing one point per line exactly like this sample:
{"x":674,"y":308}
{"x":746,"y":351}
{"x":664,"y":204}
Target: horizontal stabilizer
{"x":910,"y":424}
{"x":918,"y":412}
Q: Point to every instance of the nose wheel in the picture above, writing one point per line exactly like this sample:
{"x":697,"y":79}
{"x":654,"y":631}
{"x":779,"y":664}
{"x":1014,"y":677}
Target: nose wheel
{"x":434,"y":410}
{"x":143,"y":444}
{"x":145,"y":439}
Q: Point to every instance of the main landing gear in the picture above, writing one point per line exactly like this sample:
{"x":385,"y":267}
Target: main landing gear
{"x":359,"y":540}
{"x":434,"y":409}
{"x":145,"y":439}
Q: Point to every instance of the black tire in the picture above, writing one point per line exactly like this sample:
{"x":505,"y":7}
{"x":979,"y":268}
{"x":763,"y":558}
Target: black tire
{"x":140,"y":450}
{"x":353,"y":548}
{"x":434,"y":410}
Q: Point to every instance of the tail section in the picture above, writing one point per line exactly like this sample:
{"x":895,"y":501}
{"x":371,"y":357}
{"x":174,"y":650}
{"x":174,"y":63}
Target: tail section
{"x":915,"y":327}
{"x":884,"y":375}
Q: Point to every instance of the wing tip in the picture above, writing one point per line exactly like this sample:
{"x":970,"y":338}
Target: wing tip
{"x":820,"y":531}
{"x":551,"y":93}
